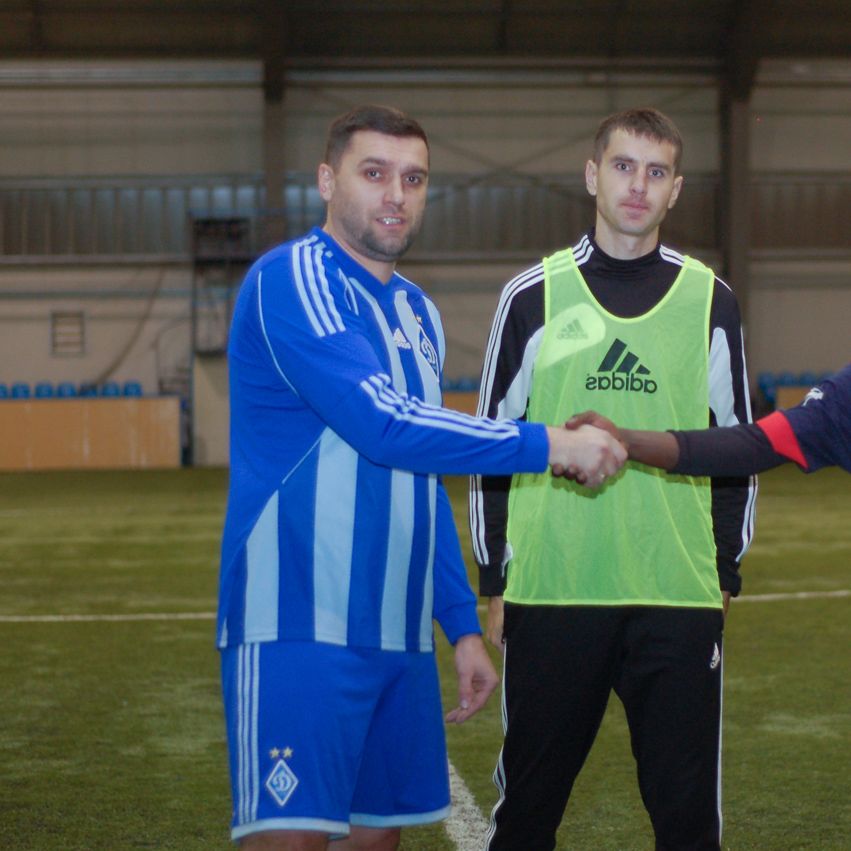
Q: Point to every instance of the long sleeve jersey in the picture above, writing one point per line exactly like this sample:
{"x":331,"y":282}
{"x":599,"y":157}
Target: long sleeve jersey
{"x":814,"y":434}
{"x":338,"y":529}
{"x":626,"y":288}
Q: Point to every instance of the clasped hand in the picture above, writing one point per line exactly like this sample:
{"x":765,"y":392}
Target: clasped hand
{"x":587,"y":450}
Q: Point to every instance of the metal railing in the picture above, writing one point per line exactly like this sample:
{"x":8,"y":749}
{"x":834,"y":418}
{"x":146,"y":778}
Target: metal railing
{"x":149,"y":219}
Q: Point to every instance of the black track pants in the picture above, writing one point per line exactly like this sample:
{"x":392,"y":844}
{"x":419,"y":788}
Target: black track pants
{"x":561,"y":664}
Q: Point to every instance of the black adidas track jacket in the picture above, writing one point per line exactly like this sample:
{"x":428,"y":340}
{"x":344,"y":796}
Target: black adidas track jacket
{"x":625,"y":288}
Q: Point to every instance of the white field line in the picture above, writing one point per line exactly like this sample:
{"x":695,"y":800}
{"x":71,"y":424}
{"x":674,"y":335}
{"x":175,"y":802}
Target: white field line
{"x":143,"y":616}
{"x":795,"y":595}
{"x":466,"y":826}
{"x":769,"y":598}
{"x":208,"y":616}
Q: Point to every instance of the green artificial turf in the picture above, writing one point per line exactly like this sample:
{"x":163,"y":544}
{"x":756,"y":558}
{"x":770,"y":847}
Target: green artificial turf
{"x":112,"y":733}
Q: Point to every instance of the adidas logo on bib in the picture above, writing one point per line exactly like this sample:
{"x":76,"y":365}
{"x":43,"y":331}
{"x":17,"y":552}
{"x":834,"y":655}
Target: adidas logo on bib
{"x":620,"y":370}
{"x":572,"y":331}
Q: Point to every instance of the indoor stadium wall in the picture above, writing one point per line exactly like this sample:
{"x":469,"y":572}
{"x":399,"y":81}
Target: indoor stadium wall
{"x":178,"y":121}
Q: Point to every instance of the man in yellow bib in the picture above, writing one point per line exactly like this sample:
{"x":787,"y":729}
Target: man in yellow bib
{"x":621,"y":589}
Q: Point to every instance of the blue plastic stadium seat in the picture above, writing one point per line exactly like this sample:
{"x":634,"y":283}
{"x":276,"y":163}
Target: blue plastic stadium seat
{"x":66,"y":389}
{"x":20,"y":390}
{"x":4,"y":391}
{"x":786,"y":379}
{"x":767,"y":383}
{"x":110,"y":388}
{"x":807,"y":379}
{"x":132,"y":388}
{"x":88,"y":389}
{"x":43,"y":390}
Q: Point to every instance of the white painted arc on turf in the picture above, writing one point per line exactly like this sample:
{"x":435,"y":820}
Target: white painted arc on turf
{"x":466,"y":826}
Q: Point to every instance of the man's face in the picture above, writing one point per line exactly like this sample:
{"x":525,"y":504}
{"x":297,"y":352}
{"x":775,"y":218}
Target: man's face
{"x":635,"y":186}
{"x":376,"y":197}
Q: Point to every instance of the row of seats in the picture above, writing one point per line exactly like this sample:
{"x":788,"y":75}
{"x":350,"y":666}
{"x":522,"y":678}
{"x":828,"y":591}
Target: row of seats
{"x":460,"y":385}
{"x":769,"y":382}
{"x":67,"y":390}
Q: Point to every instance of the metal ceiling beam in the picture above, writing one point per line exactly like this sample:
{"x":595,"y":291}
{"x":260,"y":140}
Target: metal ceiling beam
{"x":36,"y":28}
{"x":743,"y":50}
{"x":274,"y":47}
{"x":745,"y":45}
{"x":451,"y":29}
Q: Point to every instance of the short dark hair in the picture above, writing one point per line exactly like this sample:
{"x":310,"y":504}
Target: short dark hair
{"x":380,"y":119}
{"x":644,"y":121}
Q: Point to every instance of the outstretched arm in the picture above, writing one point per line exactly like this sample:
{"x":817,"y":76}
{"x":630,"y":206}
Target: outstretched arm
{"x":740,"y":450}
{"x":655,"y":448}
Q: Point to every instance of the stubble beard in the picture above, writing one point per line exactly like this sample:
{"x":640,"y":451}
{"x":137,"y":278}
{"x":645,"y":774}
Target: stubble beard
{"x":388,"y":249}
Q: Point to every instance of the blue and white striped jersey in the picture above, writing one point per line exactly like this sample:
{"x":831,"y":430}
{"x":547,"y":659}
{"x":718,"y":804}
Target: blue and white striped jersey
{"x":338,"y":529}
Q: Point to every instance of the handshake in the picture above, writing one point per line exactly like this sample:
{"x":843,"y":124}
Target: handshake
{"x":588,"y":449}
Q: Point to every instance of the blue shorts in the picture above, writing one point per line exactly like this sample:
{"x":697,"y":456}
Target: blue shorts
{"x":321,"y":737}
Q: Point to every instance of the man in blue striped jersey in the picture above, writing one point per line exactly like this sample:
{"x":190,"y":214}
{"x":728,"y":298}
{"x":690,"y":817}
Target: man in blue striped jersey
{"x":339,"y":546}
